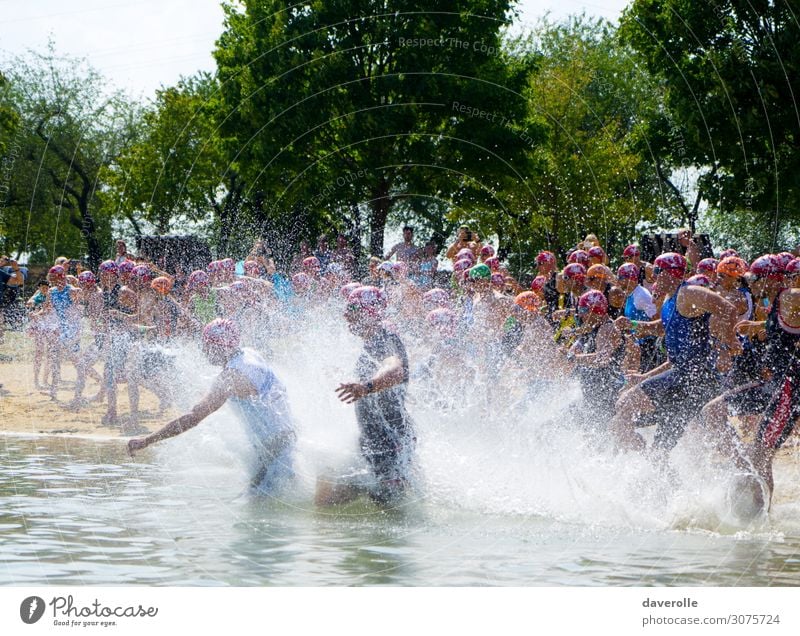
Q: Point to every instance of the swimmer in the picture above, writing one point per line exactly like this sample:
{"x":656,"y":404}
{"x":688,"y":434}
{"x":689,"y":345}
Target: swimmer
{"x":256,"y":393}
{"x":387,"y":438}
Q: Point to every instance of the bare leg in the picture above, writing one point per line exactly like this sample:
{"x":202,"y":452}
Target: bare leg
{"x":631,"y":403}
{"x":55,"y":367}
{"x":38,"y":357}
{"x":722,"y":435}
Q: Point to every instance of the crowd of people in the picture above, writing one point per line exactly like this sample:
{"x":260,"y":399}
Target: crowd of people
{"x":678,"y":341}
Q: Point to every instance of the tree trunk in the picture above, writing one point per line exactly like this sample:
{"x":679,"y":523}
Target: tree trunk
{"x":380,"y":205}
{"x":89,"y":232}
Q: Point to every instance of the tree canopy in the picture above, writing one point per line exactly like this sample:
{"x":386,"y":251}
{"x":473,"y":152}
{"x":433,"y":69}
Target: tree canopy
{"x":728,"y":68}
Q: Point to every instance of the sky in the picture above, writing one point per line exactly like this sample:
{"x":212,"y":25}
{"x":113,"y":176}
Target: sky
{"x":141,"y":45}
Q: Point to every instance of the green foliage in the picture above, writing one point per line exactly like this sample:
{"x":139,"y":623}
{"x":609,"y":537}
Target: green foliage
{"x":177,"y":169}
{"x":70,"y":129}
{"x":729,"y":69}
{"x":596,"y":174}
{"x":344,"y":105}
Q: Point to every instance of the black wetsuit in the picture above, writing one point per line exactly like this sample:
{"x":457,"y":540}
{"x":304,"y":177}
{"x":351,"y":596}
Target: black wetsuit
{"x":551,"y":294}
{"x":387,"y":437}
{"x":601,"y":385}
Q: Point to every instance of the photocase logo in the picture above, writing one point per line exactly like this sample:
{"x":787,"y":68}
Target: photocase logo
{"x":31,"y":609}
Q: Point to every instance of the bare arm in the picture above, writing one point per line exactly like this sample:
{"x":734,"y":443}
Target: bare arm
{"x":215,"y":398}
{"x":391,"y":373}
{"x":608,"y":339}
{"x":694,"y":301}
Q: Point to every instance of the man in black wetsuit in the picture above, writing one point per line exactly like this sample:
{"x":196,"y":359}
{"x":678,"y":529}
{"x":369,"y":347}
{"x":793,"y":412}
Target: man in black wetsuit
{"x":386,"y":438}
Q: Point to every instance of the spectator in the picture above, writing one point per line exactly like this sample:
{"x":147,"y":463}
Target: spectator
{"x":405,"y":251}
{"x":122,"y":252}
{"x":343,"y":255}
{"x":262,"y":255}
{"x":297,"y":260}
{"x":374,"y":277}
{"x":323,"y":253}
{"x":12,"y":277}
{"x":465,"y":238}
{"x":427,"y":266}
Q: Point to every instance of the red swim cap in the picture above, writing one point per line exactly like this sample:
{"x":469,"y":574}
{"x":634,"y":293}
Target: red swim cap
{"x":221,"y":333}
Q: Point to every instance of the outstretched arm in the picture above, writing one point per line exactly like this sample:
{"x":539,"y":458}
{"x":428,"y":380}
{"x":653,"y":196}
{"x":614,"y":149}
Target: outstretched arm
{"x":211,"y":402}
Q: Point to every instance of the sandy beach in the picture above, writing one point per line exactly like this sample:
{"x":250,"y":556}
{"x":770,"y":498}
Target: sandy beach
{"x":28,"y":410}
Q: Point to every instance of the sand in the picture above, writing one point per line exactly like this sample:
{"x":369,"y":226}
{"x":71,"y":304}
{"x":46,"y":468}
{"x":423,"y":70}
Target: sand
{"x":27,"y":410}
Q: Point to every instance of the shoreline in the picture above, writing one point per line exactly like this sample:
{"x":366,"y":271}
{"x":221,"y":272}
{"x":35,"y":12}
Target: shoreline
{"x":27,"y":410}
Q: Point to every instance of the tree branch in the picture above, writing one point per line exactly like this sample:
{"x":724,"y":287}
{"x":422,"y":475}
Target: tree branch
{"x":673,"y":188}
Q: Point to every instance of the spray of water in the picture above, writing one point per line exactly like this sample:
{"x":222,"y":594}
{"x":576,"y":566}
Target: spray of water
{"x":487,"y":441}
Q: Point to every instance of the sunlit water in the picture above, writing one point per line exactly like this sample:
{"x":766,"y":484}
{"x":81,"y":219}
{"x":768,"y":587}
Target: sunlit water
{"x":511,"y":493}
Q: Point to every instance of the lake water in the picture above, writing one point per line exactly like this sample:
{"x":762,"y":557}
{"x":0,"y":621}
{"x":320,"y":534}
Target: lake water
{"x":510,"y":494}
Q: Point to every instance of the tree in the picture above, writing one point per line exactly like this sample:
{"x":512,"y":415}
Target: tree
{"x":178,"y":168}
{"x":728,"y":69}
{"x":340,"y":105}
{"x":596,"y":174}
{"x":71,"y":128}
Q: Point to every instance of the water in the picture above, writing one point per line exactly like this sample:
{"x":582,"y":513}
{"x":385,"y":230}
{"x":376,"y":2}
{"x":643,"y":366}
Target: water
{"x":511,"y":494}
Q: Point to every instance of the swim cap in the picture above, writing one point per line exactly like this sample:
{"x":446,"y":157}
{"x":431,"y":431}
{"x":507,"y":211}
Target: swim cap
{"x":600,"y":272}
{"x":538,"y":283}
{"x":727,"y":253}
{"x":493,"y":263}
{"x":594,"y":302}
{"x":498,"y":280}
{"x":785,"y":258}
{"x":162,"y":285}
{"x":222,"y":333}
{"x":196,"y":279}
{"x":435,"y":298}
{"x":528,"y":301}
{"x":442,"y":317}
{"x":462,"y":265}
{"x":632,"y":251}
{"x":545,"y":257}
{"x":707,"y":265}
{"x":108,"y":267}
{"x":214,"y":266}
{"x":87,"y":278}
{"x":732,"y":266}
{"x":301,"y":282}
{"x":487,"y":251}
{"x":143,"y":273}
{"x":311,"y":262}
{"x":701,"y":280}
{"x":672,"y":263}
{"x":480,"y":272}
{"x":597,"y":252}
{"x":793,"y":267}
{"x":465,"y":252}
{"x":125,"y":267}
{"x":56,"y":271}
{"x":367,"y":299}
{"x":349,"y":288}
{"x":252,"y":267}
{"x":579,"y":256}
{"x":228,"y":265}
{"x":574,"y":271}
{"x":628,"y":271}
{"x":767,"y":265}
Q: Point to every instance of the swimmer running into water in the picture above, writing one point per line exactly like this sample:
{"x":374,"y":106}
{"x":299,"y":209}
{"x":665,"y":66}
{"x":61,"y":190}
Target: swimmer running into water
{"x":386,"y":436}
{"x":257,"y":394}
